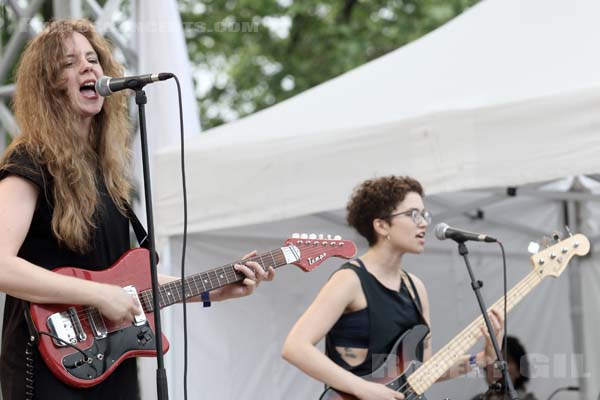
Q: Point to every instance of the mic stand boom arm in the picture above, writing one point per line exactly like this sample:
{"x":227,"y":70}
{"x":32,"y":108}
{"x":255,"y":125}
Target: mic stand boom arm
{"x":477,"y":285}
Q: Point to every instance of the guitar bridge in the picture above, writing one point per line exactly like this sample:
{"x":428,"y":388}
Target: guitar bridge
{"x":66,"y":326}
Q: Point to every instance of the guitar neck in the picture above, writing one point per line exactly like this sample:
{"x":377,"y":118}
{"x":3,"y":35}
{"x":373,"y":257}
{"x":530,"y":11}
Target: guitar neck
{"x":172,"y":292}
{"x":434,"y":368}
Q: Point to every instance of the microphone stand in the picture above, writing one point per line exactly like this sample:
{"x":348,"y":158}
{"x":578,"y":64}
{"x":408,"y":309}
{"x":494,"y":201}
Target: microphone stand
{"x":477,"y":285}
{"x":161,"y":376}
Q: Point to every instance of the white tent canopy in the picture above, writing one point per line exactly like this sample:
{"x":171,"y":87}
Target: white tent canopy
{"x":506,"y":94}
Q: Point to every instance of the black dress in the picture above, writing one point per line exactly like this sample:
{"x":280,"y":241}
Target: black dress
{"x":110,"y":240}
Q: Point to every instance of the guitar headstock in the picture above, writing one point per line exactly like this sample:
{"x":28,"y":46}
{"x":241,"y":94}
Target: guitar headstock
{"x":553,"y":260}
{"x":314,"y":249}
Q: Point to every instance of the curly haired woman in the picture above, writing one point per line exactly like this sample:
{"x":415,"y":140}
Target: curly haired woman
{"x":370,"y":302}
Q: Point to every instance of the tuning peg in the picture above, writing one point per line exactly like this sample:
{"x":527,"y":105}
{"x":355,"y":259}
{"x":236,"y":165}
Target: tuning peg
{"x":312,"y":236}
{"x":295,"y":236}
{"x":303,"y":236}
{"x":337,"y":237}
{"x":556,"y":236}
{"x":328,"y":237}
{"x":533,"y":248}
{"x":321,"y":236}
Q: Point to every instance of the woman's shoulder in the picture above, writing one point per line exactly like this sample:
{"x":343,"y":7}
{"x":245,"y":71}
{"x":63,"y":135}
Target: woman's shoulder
{"x":20,"y":161}
{"x":346,"y":276}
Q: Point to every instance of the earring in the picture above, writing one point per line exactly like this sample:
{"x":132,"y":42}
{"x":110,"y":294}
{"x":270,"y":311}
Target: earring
{"x":387,"y":237}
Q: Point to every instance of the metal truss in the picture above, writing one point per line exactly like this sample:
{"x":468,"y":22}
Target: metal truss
{"x":24,"y":31}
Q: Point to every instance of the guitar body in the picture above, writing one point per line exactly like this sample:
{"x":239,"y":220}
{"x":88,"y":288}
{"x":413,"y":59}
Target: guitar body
{"x":397,"y":367}
{"x":106,"y":346}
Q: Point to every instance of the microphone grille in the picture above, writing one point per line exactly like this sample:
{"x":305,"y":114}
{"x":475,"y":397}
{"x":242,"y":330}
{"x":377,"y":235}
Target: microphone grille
{"x":102,"y":87}
{"x":440,"y":231}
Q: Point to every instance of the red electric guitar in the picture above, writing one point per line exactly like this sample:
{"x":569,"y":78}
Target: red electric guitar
{"x":402,"y":372}
{"x":85,"y":348}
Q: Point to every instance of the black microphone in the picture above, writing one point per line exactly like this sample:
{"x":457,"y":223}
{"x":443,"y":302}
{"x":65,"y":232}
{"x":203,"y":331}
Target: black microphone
{"x":106,"y":85}
{"x":443,"y":231}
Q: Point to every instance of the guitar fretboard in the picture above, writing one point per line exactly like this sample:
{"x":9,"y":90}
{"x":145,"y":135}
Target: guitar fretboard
{"x":436,"y":366}
{"x":171,"y":293}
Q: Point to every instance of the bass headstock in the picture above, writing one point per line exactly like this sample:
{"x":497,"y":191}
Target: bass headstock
{"x":553,"y":260}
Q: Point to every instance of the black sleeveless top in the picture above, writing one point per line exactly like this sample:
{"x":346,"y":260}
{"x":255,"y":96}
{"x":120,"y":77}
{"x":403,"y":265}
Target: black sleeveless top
{"x":388,"y":315}
{"x":110,"y":240}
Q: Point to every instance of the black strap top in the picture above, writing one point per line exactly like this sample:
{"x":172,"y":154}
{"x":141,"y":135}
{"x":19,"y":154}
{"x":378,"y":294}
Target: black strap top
{"x":388,"y":315}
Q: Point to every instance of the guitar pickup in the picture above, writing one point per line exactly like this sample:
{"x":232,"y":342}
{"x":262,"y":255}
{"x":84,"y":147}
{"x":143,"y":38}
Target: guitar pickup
{"x":97,"y":323}
{"x":139,"y":319}
{"x":66,"y":326}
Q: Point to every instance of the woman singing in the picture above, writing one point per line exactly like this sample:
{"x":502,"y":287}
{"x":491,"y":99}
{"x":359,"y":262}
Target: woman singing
{"x":370,"y":302}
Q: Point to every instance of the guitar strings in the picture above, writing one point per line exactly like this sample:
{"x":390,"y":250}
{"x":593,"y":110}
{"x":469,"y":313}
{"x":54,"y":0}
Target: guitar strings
{"x":146,"y":294}
{"x":437,"y":361}
{"x":231,"y":276}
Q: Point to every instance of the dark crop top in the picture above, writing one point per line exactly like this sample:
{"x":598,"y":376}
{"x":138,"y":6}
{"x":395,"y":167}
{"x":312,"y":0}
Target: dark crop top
{"x":388,"y":315}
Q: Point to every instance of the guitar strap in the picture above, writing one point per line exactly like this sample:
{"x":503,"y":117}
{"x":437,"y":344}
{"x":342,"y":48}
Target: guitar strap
{"x":414,"y":295}
{"x":139,"y":230}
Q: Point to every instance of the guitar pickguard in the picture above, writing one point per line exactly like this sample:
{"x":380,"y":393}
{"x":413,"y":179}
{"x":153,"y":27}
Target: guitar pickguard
{"x":106,"y":351}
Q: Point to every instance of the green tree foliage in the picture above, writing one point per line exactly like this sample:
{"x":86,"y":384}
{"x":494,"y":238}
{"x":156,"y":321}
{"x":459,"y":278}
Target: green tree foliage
{"x":251,"y":54}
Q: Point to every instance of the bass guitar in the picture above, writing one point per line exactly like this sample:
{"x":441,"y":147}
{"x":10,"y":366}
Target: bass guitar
{"x":82,"y":349}
{"x":402,"y":372}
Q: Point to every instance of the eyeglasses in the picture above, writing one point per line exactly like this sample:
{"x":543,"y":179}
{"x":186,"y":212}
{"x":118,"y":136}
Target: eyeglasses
{"x":416,"y":215}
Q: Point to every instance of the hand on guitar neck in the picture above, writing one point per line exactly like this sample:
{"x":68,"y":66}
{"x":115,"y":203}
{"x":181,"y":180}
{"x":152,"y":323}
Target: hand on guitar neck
{"x":497,"y":321}
{"x":254,"y":273}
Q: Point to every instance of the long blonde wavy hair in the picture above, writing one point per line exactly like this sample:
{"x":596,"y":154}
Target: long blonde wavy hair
{"x":48,"y":124}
